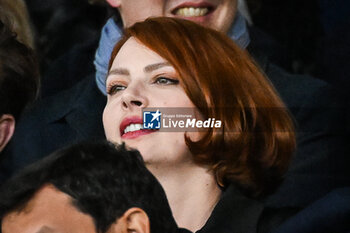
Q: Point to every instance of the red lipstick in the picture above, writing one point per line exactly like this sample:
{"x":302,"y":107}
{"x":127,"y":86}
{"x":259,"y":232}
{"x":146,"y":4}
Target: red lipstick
{"x":132,"y":120}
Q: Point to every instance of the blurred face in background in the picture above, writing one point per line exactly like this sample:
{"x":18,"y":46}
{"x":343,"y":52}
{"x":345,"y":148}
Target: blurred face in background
{"x":49,"y":211}
{"x":216,"y":14}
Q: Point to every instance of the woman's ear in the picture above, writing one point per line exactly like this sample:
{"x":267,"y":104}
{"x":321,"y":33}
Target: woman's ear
{"x":7,"y":127}
{"x":134,"y":220}
{"x":114,"y":3}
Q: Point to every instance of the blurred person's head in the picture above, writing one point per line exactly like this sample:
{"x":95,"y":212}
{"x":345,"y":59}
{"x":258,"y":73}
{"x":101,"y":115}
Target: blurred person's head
{"x":216,"y":14}
{"x":86,"y":188}
{"x":17,"y":13}
{"x":19,"y":80}
{"x":173,"y":63}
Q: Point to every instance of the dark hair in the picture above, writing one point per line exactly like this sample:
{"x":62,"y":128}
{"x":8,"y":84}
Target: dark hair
{"x":19,"y":76}
{"x":103,"y":182}
{"x":256,"y":142}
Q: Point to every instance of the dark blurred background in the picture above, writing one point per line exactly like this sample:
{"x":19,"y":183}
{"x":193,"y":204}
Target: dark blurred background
{"x":314,"y":34}
{"x":60,"y":25}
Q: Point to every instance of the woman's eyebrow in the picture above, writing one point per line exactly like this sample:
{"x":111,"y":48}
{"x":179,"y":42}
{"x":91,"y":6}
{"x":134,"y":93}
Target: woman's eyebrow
{"x":120,"y":71}
{"x":152,"y":67}
{"x":147,"y":69}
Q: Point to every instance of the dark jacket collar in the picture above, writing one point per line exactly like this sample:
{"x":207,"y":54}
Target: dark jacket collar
{"x":80,"y":106}
{"x":264,"y":48}
{"x":261,"y":59}
{"x":234,"y":213}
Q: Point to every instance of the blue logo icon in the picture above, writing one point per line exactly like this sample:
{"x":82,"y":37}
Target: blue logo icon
{"x":151,"y":120}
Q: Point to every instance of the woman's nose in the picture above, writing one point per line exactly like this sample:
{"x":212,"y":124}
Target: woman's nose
{"x":134,"y":97}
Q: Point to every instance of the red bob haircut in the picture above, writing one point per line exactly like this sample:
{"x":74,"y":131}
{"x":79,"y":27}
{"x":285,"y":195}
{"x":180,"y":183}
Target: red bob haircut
{"x":253,"y":148}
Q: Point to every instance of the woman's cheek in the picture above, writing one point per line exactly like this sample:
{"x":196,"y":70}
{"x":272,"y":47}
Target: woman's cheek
{"x":108,"y":123}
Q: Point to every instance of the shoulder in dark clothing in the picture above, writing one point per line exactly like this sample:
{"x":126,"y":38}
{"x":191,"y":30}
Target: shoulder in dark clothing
{"x":236,"y":213}
{"x":63,"y":119}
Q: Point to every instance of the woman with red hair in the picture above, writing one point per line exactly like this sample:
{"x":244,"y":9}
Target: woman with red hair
{"x":213,"y":178}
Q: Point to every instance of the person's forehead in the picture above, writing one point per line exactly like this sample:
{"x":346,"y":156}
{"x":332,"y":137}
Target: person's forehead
{"x":45,"y":198}
{"x":138,"y":53}
{"x":49,"y":211}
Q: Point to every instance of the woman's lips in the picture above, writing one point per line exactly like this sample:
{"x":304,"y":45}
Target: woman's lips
{"x":193,"y":11}
{"x":131,"y":127}
{"x":137,"y":133}
{"x":128,"y":121}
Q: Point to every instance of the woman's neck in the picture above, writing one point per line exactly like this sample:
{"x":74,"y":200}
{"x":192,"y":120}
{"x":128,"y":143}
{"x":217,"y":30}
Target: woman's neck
{"x":192,"y":193}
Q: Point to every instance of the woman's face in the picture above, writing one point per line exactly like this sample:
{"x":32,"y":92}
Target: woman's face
{"x":140,"y":78}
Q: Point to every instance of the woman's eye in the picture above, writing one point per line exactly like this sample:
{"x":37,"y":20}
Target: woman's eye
{"x":114,"y":89}
{"x":166,"y":81}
